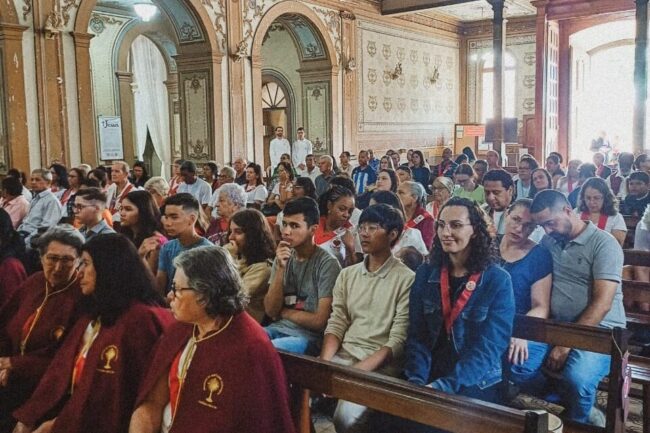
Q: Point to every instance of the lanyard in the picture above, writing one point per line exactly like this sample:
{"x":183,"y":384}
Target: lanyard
{"x":448,"y":313}
{"x":602,"y":219}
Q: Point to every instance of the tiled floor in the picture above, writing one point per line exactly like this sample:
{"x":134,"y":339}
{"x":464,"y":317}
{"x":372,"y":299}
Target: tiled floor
{"x":323,"y":424}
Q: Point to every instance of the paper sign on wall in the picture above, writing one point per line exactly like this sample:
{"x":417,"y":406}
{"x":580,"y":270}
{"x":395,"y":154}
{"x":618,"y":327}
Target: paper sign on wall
{"x":110,"y":137}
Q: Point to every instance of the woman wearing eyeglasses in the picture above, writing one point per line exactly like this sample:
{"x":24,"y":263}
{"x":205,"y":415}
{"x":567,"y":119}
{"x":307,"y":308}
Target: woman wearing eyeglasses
{"x":216,"y":369}
{"x":36,"y":317}
{"x":461,"y":310}
{"x":92,"y":382}
{"x":442,"y":188}
{"x":531,"y":269}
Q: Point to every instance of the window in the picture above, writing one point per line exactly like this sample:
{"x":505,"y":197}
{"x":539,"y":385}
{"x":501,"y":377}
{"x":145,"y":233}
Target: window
{"x":273,"y":96}
{"x":487,"y":86}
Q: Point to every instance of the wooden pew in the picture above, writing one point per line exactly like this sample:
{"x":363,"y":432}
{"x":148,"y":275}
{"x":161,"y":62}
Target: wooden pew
{"x":630,"y":222}
{"x":637,"y":292}
{"x":397,"y":397}
{"x":636,"y":257}
{"x":611,"y":342}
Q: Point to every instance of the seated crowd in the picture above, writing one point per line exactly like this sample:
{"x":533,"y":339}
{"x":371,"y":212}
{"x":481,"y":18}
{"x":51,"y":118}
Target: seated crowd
{"x":147,"y":305}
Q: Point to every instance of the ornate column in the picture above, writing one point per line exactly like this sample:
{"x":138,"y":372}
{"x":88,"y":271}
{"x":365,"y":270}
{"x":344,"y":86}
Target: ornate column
{"x":85,"y":98}
{"x":349,"y":69}
{"x":499,"y":44}
{"x":540,"y":74}
{"x":11,"y":43}
{"x":237,"y":80}
{"x":174,"y":116}
{"x":639,"y":132}
{"x":127,"y":113}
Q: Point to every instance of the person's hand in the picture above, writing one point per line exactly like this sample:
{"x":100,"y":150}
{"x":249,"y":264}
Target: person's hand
{"x":22,"y":428}
{"x":233,"y":248}
{"x":348,"y":241}
{"x":148,"y":246}
{"x":46,"y":427}
{"x":518,"y":351}
{"x":282,"y":253}
{"x":4,"y":377}
{"x":557,"y":358}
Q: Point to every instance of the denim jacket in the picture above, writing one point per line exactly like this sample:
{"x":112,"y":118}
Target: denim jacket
{"x":480,"y":334}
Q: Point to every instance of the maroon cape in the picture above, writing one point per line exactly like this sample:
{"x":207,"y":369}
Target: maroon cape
{"x":241,"y":366}
{"x":104,"y":397}
{"x":58,"y":314}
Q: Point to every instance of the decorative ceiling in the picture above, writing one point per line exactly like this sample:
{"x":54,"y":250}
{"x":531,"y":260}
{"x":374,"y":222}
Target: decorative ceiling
{"x":481,"y":10}
{"x":303,"y":33}
{"x":186,"y":25}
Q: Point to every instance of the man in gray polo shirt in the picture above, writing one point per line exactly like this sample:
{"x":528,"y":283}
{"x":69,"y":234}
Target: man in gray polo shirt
{"x":587,"y":266}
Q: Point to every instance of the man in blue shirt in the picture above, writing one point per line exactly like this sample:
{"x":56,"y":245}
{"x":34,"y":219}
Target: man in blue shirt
{"x":180,"y":213}
{"x":45,"y":210}
{"x":363,"y":175}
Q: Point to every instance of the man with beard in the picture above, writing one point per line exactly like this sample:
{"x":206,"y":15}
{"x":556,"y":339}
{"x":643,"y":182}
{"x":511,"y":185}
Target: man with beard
{"x":587,"y":266}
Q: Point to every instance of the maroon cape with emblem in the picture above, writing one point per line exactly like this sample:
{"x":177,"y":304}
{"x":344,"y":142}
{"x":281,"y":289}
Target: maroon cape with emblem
{"x":57,"y":316}
{"x":235,"y":382}
{"x":104,"y":397}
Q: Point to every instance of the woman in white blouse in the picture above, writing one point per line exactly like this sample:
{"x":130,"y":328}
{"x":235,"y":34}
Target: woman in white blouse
{"x":598,"y":205}
{"x":256,"y":192}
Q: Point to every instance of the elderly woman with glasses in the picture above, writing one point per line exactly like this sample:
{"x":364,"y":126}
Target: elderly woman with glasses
{"x":232,"y":198}
{"x":442,"y":189}
{"x":37,"y":316}
{"x":93,"y":380}
{"x":215,"y":370}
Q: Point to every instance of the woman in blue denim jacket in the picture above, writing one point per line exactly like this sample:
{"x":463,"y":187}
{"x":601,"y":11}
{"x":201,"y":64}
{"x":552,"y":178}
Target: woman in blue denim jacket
{"x":461,"y":312}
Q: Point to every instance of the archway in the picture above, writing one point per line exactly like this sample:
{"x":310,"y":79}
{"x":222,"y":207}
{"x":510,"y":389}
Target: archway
{"x":315,"y":81}
{"x":602,"y":83}
{"x":184,"y":34}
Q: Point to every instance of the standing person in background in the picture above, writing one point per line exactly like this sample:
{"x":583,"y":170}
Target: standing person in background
{"x":480,"y":168}
{"x":598,"y":205}
{"x":372,"y":161}
{"x":467,"y":187}
{"x":446,"y":167}
{"x":176,"y":179}
{"x":363,"y":175}
{"x":420,"y":170}
{"x":278,"y":146}
{"x":118,"y":189}
{"x":302,"y":147}
{"x":240,"y":165}
{"x":140,"y":174}
{"x":13,"y":201}
{"x":344,"y":163}
{"x":413,"y":197}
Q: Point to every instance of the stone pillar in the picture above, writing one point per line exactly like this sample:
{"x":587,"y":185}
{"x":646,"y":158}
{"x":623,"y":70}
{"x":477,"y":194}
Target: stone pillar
{"x":127,"y":114}
{"x":639,"y":133}
{"x":499,"y":47}
{"x":174,"y":117}
{"x":11,"y":41}
{"x":87,"y":119}
{"x":349,"y":69}
{"x":237,"y":82}
{"x":540,"y":75}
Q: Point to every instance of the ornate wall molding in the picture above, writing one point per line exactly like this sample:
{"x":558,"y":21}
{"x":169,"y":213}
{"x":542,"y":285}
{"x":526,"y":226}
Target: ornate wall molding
{"x":332,"y":20}
{"x":27,"y":8}
{"x":98,"y":22}
{"x":217,"y":11}
{"x":67,"y":7}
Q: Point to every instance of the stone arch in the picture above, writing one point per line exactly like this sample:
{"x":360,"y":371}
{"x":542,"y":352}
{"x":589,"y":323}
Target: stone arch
{"x":275,"y":12}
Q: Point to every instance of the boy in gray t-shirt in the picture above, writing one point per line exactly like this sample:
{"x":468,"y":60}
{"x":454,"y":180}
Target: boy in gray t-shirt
{"x":587,"y":267}
{"x":303,"y":275}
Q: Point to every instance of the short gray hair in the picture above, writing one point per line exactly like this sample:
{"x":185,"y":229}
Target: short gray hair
{"x":158,"y":184}
{"x":214,"y":277}
{"x":229,"y":171}
{"x":329,"y":159}
{"x":417,"y":190}
{"x":235,"y":193}
{"x":63,"y":233}
{"x":44,"y":173}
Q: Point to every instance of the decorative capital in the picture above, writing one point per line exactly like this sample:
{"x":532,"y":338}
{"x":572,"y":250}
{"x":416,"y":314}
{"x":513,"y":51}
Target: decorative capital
{"x":347,"y":15}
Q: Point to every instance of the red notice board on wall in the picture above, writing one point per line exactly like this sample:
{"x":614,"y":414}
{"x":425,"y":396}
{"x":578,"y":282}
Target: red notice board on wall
{"x":469,"y":135}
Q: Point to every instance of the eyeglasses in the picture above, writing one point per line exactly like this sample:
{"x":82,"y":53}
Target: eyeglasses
{"x":371,"y":229}
{"x":53,"y":259}
{"x":453,"y":226}
{"x":80,"y":207}
{"x":175,"y":289}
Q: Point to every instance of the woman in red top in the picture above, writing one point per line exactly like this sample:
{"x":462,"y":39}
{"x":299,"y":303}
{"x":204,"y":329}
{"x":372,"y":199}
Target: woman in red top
{"x":92,"y":382}
{"x":413,"y":196}
{"x":334,"y":233}
{"x":36,"y":318}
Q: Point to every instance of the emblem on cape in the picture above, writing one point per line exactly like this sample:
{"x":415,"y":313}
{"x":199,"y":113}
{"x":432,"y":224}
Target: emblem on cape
{"x":470,"y":286}
{"x":58,"y":332}
{"x":213,"y":385}
{"x":109,"y":354}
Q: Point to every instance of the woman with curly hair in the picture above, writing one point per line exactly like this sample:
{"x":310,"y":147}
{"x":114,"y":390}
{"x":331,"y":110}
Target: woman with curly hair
{"x":461,"y":311}
{"x":196,"y":380}
{"x":335,"y":232}
{"x":598,"y":205}
{"x":252,"y":247}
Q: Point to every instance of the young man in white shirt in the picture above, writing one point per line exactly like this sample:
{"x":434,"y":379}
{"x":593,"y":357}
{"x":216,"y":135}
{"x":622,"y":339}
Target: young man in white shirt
{"x":301,"y":148}
{"x":278,"y":146}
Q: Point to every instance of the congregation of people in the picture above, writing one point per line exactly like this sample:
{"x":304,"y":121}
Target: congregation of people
{"x":131,"y":303}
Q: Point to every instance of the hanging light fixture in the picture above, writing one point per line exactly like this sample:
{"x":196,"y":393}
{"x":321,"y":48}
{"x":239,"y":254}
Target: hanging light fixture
{"x":145,"y":10}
